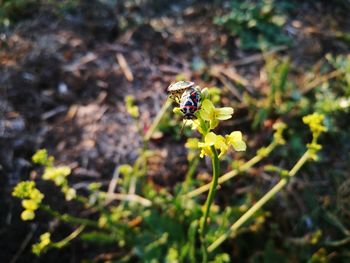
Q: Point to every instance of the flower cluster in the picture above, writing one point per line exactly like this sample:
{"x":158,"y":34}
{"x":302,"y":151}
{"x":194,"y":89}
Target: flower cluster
{"x":208,"y":118}
{"x":31,"y":196}
{"x":279,"y":127}
{"x":41,"y":157}
{"x":45,"y":240}
{"x":58,"y":175}
{"x":222,"y":143}
{"x":315,"y":122}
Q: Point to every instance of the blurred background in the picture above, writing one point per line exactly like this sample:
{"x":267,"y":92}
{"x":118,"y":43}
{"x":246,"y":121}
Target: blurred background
{"x":70,"y":70}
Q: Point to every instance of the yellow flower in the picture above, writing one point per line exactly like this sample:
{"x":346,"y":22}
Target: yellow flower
{"x":27,"y":215}
{"x":125,"y":169}
{"x":23,"y":189}
{"x":236,"y":140}
{"x":32,"y":198}
{"x":209,"y":141}
{"x":315,"y":122}
{"x":57,"y":174}
{"x":36,"y":195}
{"x":279,"y":127}
{"x":41,"y":157}
{"x":221,"y":144}
{"x":131,"y":108}
{"x":30,"y":204}
{"x":70,"y":193}
{"x":45,"y":240}
{"x":209,"y":113}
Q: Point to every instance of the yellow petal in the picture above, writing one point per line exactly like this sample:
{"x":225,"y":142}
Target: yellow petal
{"x":214,"y":123}
{"x":70,"y":194}
{"x":224,"y":113}
{"x":205,"y":115}
{"x":221,"y":145}
{"x":206,"y":151}
{"x":207,"y":110}
{"x":36,"y":195}
{"x":236,"y":136}
{"x":210,"y":138}
{"x":220,"y":142}
{"x":208,"y":105}
{"x":27,"y":215}
{"x":30,"y":205}
{"x":239,"y":146}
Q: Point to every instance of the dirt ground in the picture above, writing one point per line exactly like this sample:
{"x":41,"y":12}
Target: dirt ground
{"x":63,"y":84}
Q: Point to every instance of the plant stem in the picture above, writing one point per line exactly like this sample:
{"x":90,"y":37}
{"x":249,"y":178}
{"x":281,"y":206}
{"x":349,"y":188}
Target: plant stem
{"x":69,"y":218}
{"x":247,"y":215}
{"x":233,"y":173}
{"x":209,"y":201}
{"x":189,"y":175}
{"x":73,"y":235}
{"x":156,"y":121}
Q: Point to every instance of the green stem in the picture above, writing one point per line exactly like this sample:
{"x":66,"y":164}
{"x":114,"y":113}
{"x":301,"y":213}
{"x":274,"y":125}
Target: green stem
{"x":209,"y":201}
{"x":73,"y":235}
{"x":156,"y":121}
{"x":69,"y":218}
{"x":247,"y":215}
{"x":189,"y":175}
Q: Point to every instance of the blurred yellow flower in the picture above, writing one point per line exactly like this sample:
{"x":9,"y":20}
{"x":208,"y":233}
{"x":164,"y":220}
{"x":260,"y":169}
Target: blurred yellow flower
{"x":45,"y":240}
{"x":31,"y":196}
{"x":192,"y":143}
{"x":315,"y":122}
{"x":27,"y":215}
{"x":57,"y":174}
{"x":131,"y":108}
{"x":30,"y":204}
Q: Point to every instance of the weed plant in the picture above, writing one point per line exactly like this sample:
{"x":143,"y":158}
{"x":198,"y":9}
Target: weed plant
{"x":257,"y":24}
{"x":149,"y":225}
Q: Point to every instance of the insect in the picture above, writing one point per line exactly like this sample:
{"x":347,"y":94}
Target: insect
{"x":190,"y":102}
{"x":177,"y":89}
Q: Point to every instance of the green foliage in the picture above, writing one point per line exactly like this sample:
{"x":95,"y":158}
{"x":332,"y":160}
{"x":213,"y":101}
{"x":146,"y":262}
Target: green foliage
{"x":279,"y":97}
{"x":326,"y":92}
{"x":257,"y":23}
{"x":13,"y":11}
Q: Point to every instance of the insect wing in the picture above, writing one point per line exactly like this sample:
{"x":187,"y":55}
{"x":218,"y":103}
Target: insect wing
{"x":180,"y":85}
